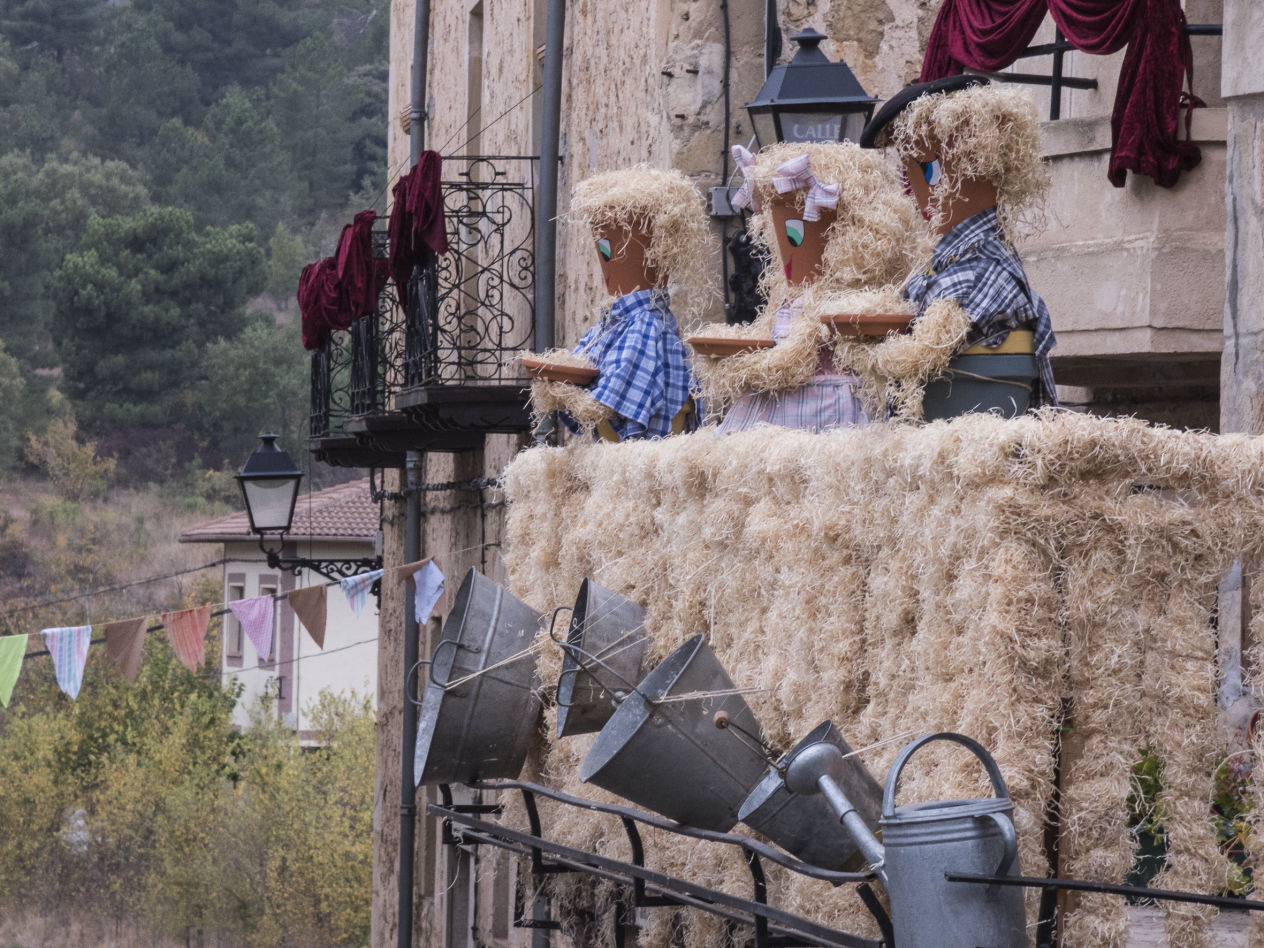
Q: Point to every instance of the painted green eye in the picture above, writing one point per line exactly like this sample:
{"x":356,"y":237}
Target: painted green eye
{"x":794,"y":232}
{"x":603,"y":248}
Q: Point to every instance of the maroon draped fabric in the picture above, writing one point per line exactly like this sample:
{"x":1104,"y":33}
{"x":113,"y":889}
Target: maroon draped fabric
{"x":417,"y":222}
{"x":360,"y":277}
{"x":318,"y":301}
{"x":336,"y":291}
{"x":989,"y":35}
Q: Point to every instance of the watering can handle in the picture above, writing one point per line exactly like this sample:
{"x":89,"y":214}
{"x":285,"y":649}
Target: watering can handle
{"x":979,"y":751}
{"x":1010,"y":839}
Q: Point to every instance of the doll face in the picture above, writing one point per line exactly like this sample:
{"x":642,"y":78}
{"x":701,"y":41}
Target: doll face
{"x":621,"y":253}
{"x":927,"y":173}
{"x":800,"y":243}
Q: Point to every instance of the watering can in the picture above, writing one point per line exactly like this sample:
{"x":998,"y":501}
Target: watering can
{"x":923,"y":841}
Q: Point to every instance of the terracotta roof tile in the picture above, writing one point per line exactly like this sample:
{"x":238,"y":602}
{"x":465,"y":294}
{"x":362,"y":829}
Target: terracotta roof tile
{"x":344,"y":512}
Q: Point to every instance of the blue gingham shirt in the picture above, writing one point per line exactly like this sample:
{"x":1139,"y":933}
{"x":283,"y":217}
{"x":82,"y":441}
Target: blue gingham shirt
{"x":643,"y":372}
{"x":974,"y":266}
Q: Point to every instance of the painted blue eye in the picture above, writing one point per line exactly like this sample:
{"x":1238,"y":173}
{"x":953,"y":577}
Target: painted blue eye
{"x":932,"y":172}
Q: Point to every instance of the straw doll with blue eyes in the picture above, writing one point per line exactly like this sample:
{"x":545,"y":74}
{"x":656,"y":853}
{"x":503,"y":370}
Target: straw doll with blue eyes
{"x":971,"y":155}
{"x":839,"y":235}
{"x":655,"y":249}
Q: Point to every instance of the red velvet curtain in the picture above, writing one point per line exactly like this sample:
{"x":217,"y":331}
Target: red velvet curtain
{"x":989,"y":35}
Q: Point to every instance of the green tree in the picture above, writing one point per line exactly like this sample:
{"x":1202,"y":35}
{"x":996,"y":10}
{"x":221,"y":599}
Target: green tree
{"x":141,"y":85}
{"x":234,"y":169}
{"x":317,"y":107}
{"x":257,"y":378}
{"x":12,"y":394}
{"x":287,"y":255}
{"x":36,"y":108}
{"x":139,"y":303}
{"x":44,"y":209}
{"x":58,"y":26}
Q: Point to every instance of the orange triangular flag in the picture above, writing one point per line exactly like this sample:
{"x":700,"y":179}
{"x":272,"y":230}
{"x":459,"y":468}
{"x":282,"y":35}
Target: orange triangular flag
{"x":406,"y":572}
{"x":309,"y":605}
{"x":187,"y":632}
{"x":124,"y":642}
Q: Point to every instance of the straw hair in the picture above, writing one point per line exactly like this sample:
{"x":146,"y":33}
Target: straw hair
{"x":670,"y":208}
{"x":987,"y":131}
{"x":1002,"y":578}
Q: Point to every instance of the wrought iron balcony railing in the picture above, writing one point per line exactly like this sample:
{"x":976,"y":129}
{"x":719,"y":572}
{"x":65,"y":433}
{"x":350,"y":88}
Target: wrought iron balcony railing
{"x":458,"y":322}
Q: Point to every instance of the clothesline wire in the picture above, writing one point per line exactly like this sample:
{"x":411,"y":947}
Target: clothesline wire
{"x":489,"y":125}
{"x":221,"y":608}
{"x":88,"y":594}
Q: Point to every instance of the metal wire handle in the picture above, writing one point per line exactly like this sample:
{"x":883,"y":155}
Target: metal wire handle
{"x":574,"y":650}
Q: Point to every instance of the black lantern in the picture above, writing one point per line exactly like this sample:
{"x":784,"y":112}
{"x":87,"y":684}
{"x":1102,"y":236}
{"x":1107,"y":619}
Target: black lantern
{"x":269,"y":484}
{"x":810,"y":99}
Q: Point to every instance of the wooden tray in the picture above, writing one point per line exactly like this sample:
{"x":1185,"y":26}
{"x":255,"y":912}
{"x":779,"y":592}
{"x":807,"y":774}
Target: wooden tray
{"x":868,"y":324}
{"x":557,"y":371}
{"x":721,"y":346}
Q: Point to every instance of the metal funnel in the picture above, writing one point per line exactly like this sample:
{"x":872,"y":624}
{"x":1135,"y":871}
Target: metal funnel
{"x":806,"y":825}
{"x":480,"y":707}
{"x":681,"y":744}
{"x":605,"y":654}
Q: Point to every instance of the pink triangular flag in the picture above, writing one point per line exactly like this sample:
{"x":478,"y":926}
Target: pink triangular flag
{"x":187,"y":633}
{"x":255,"y":616}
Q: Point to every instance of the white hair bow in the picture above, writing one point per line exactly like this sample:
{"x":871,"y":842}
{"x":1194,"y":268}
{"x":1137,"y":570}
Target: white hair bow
{"x":796,"y":174}
{"x":745,"y":196}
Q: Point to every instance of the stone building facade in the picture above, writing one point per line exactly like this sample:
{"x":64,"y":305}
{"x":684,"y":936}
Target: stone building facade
{"x":1135,"y":277}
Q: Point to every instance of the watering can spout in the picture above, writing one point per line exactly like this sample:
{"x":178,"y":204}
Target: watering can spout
{"x":817,"y":768}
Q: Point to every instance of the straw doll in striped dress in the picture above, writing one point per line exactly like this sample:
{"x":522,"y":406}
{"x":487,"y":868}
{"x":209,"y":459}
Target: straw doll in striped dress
{"x":840,"y":235}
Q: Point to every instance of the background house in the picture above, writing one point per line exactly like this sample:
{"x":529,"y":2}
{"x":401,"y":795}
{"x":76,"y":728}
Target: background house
{"x":338,"y":522}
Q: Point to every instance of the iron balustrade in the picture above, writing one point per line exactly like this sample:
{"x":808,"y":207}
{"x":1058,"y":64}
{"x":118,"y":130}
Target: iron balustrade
{"x":1057,"y":80}
{"x":461,"y":318}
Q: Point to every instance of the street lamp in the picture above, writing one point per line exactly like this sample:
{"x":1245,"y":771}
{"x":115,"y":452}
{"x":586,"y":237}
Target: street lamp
{"x":269,"y":483}
{"x":810,"y":99}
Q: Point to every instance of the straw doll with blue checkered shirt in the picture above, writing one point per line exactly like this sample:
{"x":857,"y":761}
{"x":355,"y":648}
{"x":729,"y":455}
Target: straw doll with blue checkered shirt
{"x":971,"y":155}
{"x":654,"y":248}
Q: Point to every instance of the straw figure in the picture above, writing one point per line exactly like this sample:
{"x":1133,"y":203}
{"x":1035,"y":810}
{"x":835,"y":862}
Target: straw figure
{"x":971,"y":156}
{"x":840,"y":236}
{"x":655,"y":248}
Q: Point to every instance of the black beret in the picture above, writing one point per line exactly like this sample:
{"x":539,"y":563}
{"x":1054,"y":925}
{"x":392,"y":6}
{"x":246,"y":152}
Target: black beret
{"x":906,"y":96}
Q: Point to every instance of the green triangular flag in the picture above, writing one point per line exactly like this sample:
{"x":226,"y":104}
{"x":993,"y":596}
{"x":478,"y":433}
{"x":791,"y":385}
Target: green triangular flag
{"x":12,"y":650}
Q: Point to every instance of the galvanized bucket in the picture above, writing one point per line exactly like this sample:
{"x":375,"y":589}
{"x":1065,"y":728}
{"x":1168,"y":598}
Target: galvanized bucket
{"x":925,"y":840}
{"x":805,"y":825}
{"x":604,"y":656}
{"x":980,"y":383}
{"x":693,"y":760}
{"x":480,"y":707}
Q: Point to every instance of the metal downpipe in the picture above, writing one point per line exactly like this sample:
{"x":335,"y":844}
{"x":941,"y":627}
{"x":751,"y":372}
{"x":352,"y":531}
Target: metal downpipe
{"x":546,"y":202}
{"x":408,"y":740}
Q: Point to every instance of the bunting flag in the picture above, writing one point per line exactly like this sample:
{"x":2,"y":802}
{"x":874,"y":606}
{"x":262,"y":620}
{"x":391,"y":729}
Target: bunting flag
{"x":356,"y":589}
{"x":427,"y":582}
{"x":309,"y":605}
{"x":187,"y":632}
{"x":69,"y":648}
{"x":12,"y":650}
{"x":255,"y":616}
{"x":124,"y":643}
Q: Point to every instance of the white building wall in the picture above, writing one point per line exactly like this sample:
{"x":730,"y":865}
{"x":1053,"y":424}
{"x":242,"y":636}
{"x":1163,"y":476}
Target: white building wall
{"x":347,"y":663}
